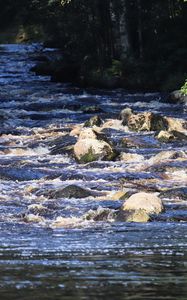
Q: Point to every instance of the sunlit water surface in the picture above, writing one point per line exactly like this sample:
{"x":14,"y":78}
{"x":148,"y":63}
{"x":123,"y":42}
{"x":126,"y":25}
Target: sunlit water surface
{"x":102,"y":259}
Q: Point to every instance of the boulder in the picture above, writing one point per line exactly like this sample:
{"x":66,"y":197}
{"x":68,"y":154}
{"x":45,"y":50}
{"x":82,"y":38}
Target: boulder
{"x":113,"y":124}
{"x":147,"y":202}
{"x":175,"y":124}
{"x":177,"y":97}
{"x":93,"y":121}
{"x":166,"y":155}
{"x":165,"y":136}
{"x":139,"y":216}
{"x":170,"y":136}
{"x":131,"y":157}
{"x":87,"y":133}
{"x":124,"y":115}
{"x":147,"y":121}
{"x":91,"y":149}
{"x":70,"y":191}
{"x":76,"y":130}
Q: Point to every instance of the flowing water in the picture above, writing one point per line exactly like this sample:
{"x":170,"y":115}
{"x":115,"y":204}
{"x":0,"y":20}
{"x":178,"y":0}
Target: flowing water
{"x":48,"y":248}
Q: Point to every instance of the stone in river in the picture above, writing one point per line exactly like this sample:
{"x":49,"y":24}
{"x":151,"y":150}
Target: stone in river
{"x":70,"y":191}
{"x":148,"y":202}
{"x":177,"y":97}
{"x":93,"y":121}
{"x":147,"y":121}
{"x":139,"y":216}
{"x":87,"y":150}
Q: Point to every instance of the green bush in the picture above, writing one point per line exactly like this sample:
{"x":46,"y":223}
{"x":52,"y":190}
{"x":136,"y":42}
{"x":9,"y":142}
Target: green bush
{"x":184,"y":88}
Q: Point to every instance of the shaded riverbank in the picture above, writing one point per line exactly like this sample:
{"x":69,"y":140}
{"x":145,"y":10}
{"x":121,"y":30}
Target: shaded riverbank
{"x":97,"y":257}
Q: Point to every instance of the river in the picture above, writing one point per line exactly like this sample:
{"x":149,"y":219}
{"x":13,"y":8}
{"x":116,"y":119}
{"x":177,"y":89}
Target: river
{"x":104,"y":259}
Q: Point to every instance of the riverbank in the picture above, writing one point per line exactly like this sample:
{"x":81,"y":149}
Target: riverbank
{"x":129,"y":74}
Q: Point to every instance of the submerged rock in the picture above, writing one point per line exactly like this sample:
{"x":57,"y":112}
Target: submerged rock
{"x":87,"y":150}
{"x":142,"y":204}
{"x":70,"y":191}
{"x":62,"y":145}
{"x":131,"y":157}
{"x":175,"y":193}
{"x":66,"y":222}
{"x":31,"y":218}
{"x":181,"y":136}
{"x":137,"y":141}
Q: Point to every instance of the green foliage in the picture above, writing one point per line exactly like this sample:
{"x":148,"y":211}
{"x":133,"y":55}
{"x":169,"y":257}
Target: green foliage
{"x":141,"y":42}
{"x":184,"y":88}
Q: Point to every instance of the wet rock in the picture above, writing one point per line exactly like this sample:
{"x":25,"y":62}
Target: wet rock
{"x":87,"y":150}
{"x":165,"y":137}
{"x":170,"y":136}
{"x":139,"y":216}
{"x":93,"y":121}
{"x":87,"y":134}
{"x":147,"y":122}
{"x":166,"y":155}
{"x":182,"y":136}
{"x":114,"y":124}
{"x":71,"y":191}
{"x":101,"y":214}
{"x":124,"y":115}
{"x":66,"y":222}
{"x":139,"y":142}
{"x":37,"y":209}
{"x":121,"y":195}
{"x":177,"y":97}
{"x":76,"y":130}
{"x":31,"y":218}
{"x":147,"y":202}
{"x":62,"y":145}
{"x":175,"y":124}
{"x":131,"y":157}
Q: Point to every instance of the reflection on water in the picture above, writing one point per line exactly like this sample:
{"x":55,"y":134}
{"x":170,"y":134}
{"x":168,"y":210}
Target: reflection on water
{"x":94,"y":258}
{"x":114,"y":262}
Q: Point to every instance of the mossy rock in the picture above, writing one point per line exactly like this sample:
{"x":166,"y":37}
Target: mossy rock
{"x":89,"y":156}
{"x":93,"y":121}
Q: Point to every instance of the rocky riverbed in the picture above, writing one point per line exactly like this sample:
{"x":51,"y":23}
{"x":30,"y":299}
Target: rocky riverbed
{"x":93,"y":188}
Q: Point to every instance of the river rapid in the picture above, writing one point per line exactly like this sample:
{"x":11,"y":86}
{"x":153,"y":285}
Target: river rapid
{"x":48,"y":248}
